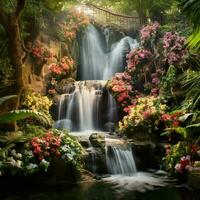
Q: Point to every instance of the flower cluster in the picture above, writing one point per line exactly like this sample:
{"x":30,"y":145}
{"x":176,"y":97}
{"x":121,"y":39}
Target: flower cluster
{"x":38,"y":153}
{"x":145,"y":112}
{"x":46,"y":146}
{"x":174,"y":48}
{"x":73,"y":23}
{"x":62,"y":68}
{"x":137,"y":57}
{"x":155,"y":80}
{"x":121,"y":87}
{"x":149,"y":31}
{"x":40,"y":52}
{"x":36,"y":102}
{"x":171,"y":119}
{"x":183,"y":165}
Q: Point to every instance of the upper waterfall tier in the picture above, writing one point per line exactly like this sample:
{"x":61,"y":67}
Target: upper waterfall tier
{"x":100,"y":60}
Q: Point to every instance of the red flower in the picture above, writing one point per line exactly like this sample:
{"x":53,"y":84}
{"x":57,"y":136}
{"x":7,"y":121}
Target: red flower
{"x":175,"y":123}
{"x":166,"y":117}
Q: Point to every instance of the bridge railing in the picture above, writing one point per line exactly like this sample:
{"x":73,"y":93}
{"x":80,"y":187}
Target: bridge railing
{"x":106,"y":16}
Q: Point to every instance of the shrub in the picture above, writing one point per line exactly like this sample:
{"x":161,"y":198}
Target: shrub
{"x":38,"y":152}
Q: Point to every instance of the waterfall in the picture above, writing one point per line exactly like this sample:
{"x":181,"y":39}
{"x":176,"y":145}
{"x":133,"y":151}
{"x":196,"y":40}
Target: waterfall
{"x":88,"y":106}
{"x":112,"y":109}
{"x":119,"y":158}
{"x":92,"y":55}
{"x":98,"y":61}
{"x":80,"y":110}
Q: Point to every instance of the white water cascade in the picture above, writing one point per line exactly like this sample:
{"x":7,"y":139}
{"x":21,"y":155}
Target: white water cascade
{"x":119,"y":158}
{"x":80,"y":110}
{"x":98,"y":62}
{"x":89,"y":106}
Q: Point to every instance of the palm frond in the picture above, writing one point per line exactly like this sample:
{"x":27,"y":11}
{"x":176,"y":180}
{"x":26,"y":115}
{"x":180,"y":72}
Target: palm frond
{"x":192,"y":10}
{"x":191,"y":83}
{"x":6,"y":98}
{"x":22,"y":114}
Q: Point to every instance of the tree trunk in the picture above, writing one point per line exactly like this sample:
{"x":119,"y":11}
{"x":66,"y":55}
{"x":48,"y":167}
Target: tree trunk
{"x":16,"y":54}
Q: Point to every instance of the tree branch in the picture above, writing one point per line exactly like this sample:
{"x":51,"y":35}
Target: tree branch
{"x":20,"y":7}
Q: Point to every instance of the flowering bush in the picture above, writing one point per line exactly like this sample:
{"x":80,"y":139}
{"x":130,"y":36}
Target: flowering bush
{"x":74,"y":22}
{"x":138,"y":57}
{"x":147,"y":65}
{"x":63,"y":68}
{"x":180,"y":157}
{"x":174,"y":48}
{"x":149,"y":32}
{"x":183,"y":165}
{"x":144,"y":114}
{"x":120,"y":86}
{"x":41,"y":53}
{"x":38,"y":153}
{"x":36,"y":101}
{"x":172,"y":119}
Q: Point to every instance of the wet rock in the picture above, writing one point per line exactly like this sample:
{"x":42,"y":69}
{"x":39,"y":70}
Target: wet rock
{"x":95,"y":160}
{"x":194,"y":178}
{"x":97,"y":140}
{"x":109,"y":127}
{"x":84,"y":142}
{"x":147,"y":154}
{"x":65,"y":85}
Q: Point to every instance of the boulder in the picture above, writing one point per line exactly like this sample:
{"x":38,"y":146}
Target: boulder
{"x":97,"y":140}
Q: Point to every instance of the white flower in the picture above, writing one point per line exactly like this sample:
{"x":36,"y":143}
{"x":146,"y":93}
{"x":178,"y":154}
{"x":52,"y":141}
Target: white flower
{"x":31,"y":166}
{"x":13,"y":152}
{"x":11,"y":161}
{"x":18,"y":163}
{"x":18,"y":155}
{"x":44,"y":163}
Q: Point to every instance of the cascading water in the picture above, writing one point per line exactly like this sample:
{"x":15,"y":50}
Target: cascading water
{"x":112,"y":109}
{"x":81,"y":108}
{"x":98,"y":62}
{"x":119,"y":158}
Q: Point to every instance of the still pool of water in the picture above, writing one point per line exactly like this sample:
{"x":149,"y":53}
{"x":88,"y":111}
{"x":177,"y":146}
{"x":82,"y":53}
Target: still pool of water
{"x":142,"y":186}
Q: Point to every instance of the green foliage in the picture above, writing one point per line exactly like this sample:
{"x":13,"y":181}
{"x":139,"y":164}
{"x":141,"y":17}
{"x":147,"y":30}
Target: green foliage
{"x":13,"y":137}
{"x":191,"y":83}
{"x":31,"y":152}
{"x":22,"y":114}
{"x":6,"y":98}
{"x":168,"y":82}
{"x":192,"y":10}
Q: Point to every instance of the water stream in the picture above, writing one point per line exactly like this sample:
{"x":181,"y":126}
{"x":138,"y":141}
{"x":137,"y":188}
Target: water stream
{"x":98,"y":60}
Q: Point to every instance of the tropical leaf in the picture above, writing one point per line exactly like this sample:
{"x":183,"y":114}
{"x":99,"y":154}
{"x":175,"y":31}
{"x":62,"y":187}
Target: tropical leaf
{"x":180,"y":130}
{"x":22,"y":114}
{"x":193,"y":125}
{"x":6,"y":148}
{"x":185,"y":117}
{"x":191,"y":83}
{"x":192,"y":9}
{"x":6,"y":98}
